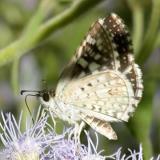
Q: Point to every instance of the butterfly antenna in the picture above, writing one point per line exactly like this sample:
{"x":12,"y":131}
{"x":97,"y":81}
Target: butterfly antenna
{"x":28,"y":107}
{"x":38,"y":93}
{"x":24,"y":91}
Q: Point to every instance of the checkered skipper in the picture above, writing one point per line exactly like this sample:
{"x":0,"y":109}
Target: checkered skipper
{"x":102,"y":83}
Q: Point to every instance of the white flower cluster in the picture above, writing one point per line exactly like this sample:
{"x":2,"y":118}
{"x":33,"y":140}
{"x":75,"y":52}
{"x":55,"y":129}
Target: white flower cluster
{"x":40,"y":142}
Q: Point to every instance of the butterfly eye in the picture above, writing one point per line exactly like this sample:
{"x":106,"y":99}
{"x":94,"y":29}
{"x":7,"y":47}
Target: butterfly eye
{"x":45,"y":97}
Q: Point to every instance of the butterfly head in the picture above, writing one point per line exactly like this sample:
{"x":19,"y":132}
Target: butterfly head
{"x":45,"y":96}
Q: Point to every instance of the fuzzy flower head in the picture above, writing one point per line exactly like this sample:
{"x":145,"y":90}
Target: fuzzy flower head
{"x":70,"y":149}
{"x":22,"y":146}
{"x":40,"y":142}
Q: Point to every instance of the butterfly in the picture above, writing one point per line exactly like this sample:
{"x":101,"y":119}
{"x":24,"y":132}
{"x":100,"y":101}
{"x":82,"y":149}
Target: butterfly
{"x":102,"y":83}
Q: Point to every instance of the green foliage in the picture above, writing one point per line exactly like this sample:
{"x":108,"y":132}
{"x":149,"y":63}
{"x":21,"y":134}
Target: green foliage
{"x":41,"y":38}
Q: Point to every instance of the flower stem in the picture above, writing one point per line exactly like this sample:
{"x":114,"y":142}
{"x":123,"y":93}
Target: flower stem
{"x":157,"y":44}
{"x":138,"y":23}
{"x":35,"y":33}
{"x":151,"y":33}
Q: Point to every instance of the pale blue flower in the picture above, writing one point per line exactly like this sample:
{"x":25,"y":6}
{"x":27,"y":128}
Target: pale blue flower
{"x":70,"y":149}
{"x":30,"y":144}
{"x":40,"y":142}
{"x":131,"y":155}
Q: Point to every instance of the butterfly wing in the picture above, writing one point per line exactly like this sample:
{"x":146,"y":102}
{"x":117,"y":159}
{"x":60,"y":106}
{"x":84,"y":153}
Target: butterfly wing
{"x":106,"y":52}
{"x":100,"y":126}
{"x":107,"y":45}
{"x":107,"y":92}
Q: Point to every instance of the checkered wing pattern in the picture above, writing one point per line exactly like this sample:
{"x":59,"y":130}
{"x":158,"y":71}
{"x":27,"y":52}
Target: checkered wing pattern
{"x":102,"y":80}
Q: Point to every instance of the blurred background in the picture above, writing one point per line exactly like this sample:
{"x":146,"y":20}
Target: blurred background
{"x":37,"y":41}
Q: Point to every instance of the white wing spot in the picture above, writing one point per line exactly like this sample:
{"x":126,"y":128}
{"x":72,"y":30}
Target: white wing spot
{"x":97,"y":56}
{"x":118,"y":21}
{"x":83,"y":62}
{"x":90,"y":40}
{"x":101,"y":21}
{"x":114,"y":15}
{"x":93,"y":66}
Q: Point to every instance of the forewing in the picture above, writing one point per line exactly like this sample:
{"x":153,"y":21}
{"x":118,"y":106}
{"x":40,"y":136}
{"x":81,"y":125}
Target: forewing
{"x":107,"y":46}
{"x":102,"y":76}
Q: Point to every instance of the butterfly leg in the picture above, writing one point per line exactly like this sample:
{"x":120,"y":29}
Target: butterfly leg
{"x":76,"y":131}
{"x":79,"y":130}
{"x":52,"y":117}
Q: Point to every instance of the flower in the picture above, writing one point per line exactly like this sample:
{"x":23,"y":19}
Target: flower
{"x":70,"y":149}
{"x":40,"y":142}
{"x":30,"y":144}
{"x":132,"y":155}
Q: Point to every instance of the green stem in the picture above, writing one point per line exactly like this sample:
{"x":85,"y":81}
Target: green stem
{"x":138,"y":24}
{"x":19,"y":47}
{"x":33,"y":36}
{"x":66,"y":17}
{"x":157,"y":44}
{"x":151,"y":33}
